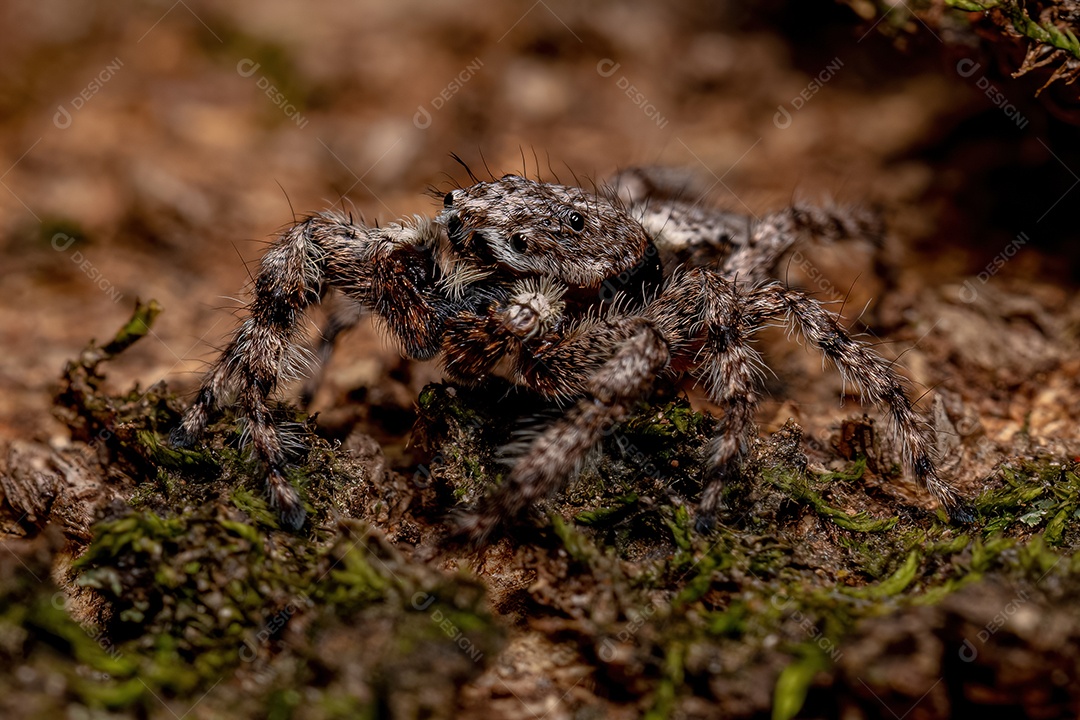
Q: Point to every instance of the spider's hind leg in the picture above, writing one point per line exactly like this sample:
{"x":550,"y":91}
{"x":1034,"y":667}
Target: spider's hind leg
{"x":757,"y":255}
{"x":748,"y":247}
{"x":343,"y":314}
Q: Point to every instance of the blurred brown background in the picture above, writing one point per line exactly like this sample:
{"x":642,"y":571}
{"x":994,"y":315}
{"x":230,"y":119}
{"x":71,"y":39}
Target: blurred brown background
{"x":149,"y":149}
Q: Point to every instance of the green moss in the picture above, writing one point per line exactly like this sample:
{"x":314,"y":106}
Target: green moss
{"x":135,"y":329}
{"x":795,"y":484}
{"x":255,"y":507}
{"x":1045,"y":494}
{"x":199,"y":594}
{"x":895,"y":583}
{"x":355,"y":582}
{"x":672,"y":419}
{"x":949,"y":546}
{"x":794,"y":682}
{"x":199,"y":584}
{"x":604,"y":515}
{"x":682,"y":528}
{"x":578,"y":546}
{"x":167,"y":457}
{"x":670,"y":684}
{"x":54,"y":232}
{"x":1047,"y":33}
{"x":183,"y":593}
{"x":852,"y":474}
{"x":731,"y":622}
{"x":1035,"y":558}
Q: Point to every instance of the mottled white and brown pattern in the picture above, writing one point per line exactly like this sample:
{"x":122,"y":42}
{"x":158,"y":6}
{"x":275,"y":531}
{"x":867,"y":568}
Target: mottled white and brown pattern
{"x":583,"y":297}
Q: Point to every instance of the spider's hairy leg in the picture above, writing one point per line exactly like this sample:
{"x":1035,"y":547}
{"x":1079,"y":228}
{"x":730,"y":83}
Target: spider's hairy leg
{"x":710,"y":324}
{"x":746,"y":247}
{"x":642,"y":184}
{"x":670,"y":205}
{"x":691,"y":234}
{"x":385,"y":269}
{"x":756,"y":254}
{"x":627,"y":375}
{"x":343,"y":314}
{"x":870,"y":372}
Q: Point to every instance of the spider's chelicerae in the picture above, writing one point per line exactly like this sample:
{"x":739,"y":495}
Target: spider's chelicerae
{"x":583,"y":297}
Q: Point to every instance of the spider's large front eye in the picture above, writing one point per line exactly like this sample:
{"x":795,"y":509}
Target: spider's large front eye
{"x":577,"y":223}
{"x":519,"y":243}
{"x":448,"y":199}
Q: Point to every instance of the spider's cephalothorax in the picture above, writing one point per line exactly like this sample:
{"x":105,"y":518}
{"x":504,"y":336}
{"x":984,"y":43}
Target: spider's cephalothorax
{"x":582,"y":297}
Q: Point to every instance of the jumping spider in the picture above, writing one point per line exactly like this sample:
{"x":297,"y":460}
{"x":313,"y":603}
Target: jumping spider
{"x":583,"y":297}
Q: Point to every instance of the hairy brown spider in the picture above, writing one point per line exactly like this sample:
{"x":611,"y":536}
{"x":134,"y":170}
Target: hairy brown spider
{"x":583,"y":297}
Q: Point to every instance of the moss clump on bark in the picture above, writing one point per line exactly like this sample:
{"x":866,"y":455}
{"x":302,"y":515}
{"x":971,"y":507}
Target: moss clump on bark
{"x":186,"y":595}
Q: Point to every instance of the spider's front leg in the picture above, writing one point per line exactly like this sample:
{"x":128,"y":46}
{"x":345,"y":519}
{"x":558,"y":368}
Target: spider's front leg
{"x":709,"y":324}
{"x":613,"y":364}
{"x":388,"y":270}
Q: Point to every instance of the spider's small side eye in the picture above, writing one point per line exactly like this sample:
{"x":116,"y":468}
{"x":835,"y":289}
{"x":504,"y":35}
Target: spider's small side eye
{"x":448,"y":199}
{"x":519,"y":243}
{"x":577,"y":223}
